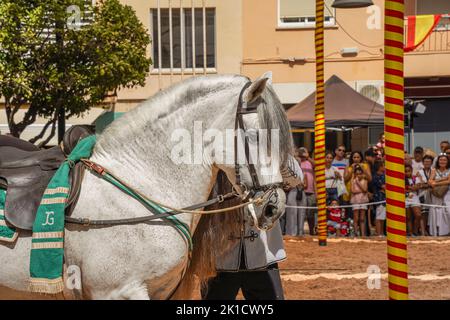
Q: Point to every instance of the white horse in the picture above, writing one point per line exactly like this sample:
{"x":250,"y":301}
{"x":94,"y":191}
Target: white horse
{"x":148,"y":260}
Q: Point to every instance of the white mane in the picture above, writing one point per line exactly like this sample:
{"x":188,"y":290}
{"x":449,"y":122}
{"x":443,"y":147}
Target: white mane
{"x":140,"y":129}
{"x":157,"y":113}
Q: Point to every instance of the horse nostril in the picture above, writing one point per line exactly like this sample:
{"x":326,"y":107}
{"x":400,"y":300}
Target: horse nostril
{"x":270,"y":211}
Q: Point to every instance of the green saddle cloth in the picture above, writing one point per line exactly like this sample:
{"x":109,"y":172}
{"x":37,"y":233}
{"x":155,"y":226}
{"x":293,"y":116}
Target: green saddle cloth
{"x":7,"y":232}
{"x":47,"y":244}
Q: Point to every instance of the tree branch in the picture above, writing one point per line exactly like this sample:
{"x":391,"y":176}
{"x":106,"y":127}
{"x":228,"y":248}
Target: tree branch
{"x":10,"y":117}
{"x":52,"y":134}
{"x":44,"y":129}
{"x":8,"y":114}
{"x":30,"y":115}
{"x":28,"y":118}
{"x":7,"y":109}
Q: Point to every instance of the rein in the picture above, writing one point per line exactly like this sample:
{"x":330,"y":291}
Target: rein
{"x":151,"y":203}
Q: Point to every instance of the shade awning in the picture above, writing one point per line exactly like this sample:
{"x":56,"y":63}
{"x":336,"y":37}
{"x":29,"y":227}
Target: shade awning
{"x":344,"y":107}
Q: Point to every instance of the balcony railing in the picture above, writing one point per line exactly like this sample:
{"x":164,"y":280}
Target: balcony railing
{"x":438,"y":40}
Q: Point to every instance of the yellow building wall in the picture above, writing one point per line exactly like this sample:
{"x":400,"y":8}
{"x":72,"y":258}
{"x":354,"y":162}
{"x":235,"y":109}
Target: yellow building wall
{"x":268,"y":47}
{"x":228,"y":45}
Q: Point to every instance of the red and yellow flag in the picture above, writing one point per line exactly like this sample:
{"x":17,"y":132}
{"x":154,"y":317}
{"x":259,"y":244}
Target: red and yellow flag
{"x":419,"y":28}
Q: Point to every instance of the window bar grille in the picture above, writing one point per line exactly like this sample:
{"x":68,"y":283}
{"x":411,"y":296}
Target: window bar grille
{"x":171,"y":41}
{"x":204,"y":37}
{"x":447,"y":32}
{"x":159,"y":46}
{"x":183,"y":63}
{"x":435,"y":41}
{"x":193,"y":36}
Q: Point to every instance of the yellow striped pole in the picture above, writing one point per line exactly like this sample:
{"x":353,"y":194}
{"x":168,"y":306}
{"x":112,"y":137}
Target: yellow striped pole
{"x":395,"y":168}
{"x":319,"y":125}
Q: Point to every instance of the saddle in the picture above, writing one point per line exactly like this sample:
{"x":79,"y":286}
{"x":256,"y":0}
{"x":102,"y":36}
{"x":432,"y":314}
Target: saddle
{"x":25,"y":172}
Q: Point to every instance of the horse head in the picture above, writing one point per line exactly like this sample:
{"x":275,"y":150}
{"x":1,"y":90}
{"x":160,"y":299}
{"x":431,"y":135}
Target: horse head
{"x":262,"y":143}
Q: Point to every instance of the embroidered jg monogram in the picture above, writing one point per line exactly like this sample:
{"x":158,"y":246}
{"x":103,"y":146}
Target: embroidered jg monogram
{"x":50,"y":220}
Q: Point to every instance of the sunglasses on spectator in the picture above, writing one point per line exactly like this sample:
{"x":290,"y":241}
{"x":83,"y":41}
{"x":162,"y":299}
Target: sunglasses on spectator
{"x":343,"y":150}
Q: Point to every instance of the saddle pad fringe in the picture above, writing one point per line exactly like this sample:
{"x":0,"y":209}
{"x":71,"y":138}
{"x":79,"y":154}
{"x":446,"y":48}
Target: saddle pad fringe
{"x":7,"y":232}
{"x":49,"y":286}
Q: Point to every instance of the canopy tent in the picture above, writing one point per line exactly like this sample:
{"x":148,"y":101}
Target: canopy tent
{"x":344,"y":107}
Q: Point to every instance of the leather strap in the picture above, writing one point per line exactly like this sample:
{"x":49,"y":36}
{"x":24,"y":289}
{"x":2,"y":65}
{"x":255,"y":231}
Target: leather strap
{"x":88,"y":222}
{"x":239,"y":124}
{"x":77,"y":176}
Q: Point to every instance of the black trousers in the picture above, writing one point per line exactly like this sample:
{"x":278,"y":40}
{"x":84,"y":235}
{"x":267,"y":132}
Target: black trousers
{"x":256,"y":285}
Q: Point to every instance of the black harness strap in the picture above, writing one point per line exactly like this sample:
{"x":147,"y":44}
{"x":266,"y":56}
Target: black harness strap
{"x":239,"y":123}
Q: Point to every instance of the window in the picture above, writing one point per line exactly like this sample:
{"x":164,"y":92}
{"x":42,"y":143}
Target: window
{"x":77,"y":18}
{"x":180,"y":55}
{"x":302,"y":14}
{"x":435,"y":7}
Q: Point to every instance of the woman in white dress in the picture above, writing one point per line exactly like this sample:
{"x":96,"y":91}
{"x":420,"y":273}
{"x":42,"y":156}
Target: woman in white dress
{"x":332,"y":178}
{"x":439,"y":218}
{"x":413,"y":205}
{"x":424,"y":193}
{"x":294,"y":218}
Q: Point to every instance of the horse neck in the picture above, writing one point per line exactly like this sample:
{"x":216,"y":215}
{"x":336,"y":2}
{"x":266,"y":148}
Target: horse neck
{"x":145,"y":159}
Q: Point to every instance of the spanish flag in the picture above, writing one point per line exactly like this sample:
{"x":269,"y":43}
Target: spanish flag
{"x":419,"y":28}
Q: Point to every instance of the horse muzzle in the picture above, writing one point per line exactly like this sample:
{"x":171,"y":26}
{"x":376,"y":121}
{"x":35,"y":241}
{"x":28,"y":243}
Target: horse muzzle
{"x":264,"y":214}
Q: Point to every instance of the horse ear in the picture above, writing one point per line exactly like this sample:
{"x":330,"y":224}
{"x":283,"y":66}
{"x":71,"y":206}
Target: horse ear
{"x":269,"y":76}
{"x":257,"y":87}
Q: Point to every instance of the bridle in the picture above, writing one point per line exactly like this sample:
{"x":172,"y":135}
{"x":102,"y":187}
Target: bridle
{"x":256,"y":190}
{"x":239,"y":124}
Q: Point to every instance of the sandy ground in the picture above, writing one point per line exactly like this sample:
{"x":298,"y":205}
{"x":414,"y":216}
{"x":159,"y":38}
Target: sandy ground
{"x":339,"y":270}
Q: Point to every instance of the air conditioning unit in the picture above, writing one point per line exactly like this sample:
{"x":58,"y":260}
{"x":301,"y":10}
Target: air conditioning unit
{"x":372,"y":89}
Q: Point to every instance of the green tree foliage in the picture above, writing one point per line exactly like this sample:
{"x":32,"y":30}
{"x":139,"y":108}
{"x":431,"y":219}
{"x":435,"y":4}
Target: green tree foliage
{"x":66,"y":54}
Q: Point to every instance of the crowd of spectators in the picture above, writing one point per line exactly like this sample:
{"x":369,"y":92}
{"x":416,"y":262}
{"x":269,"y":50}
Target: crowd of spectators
{"x":356,"y":192}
